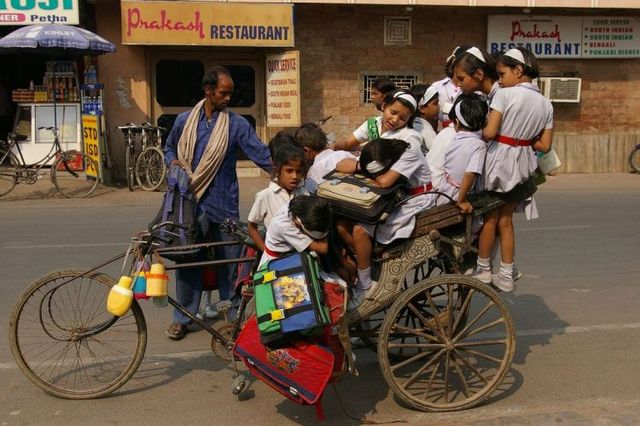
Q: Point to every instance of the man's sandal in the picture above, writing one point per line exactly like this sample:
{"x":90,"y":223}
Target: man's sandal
{"x":177,"y":331}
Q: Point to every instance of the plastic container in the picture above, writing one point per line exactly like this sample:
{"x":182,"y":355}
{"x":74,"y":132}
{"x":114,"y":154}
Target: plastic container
{"x":157,"y":281}
{"x":120,"y":297}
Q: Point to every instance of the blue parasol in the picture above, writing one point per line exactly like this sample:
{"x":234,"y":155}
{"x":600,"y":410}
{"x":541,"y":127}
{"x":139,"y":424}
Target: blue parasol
{"x":55,"y":40}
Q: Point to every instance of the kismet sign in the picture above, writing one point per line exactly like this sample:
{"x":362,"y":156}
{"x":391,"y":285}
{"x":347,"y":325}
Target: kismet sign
{"x":27,"y":12}
{"x":204,"y":23}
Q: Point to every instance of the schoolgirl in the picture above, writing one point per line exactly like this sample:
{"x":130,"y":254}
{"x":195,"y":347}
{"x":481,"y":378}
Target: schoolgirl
{"x":447,"y":89}
{"x":426,"y":120}
{"x":380,"y":88}
{"x":435,"y":156}
{"x":301,"y":224}
{"x":475,"y":71}
{"x":464,"y":158}
{"x":397,"y":116}
{"x":520,"y":119}
{"x":386,"y":161}
{"x":288,"y":172}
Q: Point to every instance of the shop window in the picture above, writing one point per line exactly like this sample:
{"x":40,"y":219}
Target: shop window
{"x":23,"y":121}
{"x":402,"y":81}
{"x":179,"y":82}
{"x":244,"y":81}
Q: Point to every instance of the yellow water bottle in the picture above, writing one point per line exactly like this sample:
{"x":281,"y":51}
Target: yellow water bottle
{"x":157,"y":281}
{"x":120,"y":297}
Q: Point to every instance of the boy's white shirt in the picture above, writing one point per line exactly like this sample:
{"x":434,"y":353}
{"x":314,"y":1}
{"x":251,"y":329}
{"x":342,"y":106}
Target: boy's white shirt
{"x":283,"y":235}
{"x":324,"y":163}
{"x":269,"y":201}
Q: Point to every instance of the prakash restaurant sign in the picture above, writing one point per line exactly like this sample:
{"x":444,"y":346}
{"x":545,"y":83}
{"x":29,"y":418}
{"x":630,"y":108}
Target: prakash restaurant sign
{"x":204,"y":23}
{"x":584,"y":37}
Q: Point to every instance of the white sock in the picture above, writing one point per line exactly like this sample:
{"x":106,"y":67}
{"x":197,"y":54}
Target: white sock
{"x":484,"y":264}
{"x":506,"y":270}
{"x":364,"y":279}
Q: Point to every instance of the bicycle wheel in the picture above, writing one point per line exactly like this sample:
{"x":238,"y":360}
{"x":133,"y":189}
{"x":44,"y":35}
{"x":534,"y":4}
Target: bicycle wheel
{"x":64,"y":340}
{"x":634,"y":160}
{"x":8,"y":166}
{"x":74,"y":183}
{"x":150,"y":169}
{"x":130,"y":167}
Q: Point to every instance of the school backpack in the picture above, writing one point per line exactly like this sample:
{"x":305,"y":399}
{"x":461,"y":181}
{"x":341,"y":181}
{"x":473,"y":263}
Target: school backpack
{"x":289,"y":299}
{"x":179,"y":206}
{"x":358,"y":197}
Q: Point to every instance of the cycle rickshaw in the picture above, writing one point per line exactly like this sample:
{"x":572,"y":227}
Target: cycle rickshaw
{"x":445,"y":341}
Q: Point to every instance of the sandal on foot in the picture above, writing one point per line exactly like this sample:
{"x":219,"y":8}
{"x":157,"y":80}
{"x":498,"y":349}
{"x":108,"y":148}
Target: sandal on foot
{"x":177,"y":331}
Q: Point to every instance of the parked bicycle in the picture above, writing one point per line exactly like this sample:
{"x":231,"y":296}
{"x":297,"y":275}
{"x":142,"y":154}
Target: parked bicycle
{"x":73,"y":173}
{"x":144,"y":160}
{"x":634,"y":159}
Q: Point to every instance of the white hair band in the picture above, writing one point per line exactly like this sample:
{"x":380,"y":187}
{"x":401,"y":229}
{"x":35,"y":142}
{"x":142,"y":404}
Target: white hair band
{"x":477,"y":53}
{"x":459,"y":116}
{"x":517,"y":55}
{"x":428,"y":95}
{"x":374,"y":167}
{"x":407,"y":97}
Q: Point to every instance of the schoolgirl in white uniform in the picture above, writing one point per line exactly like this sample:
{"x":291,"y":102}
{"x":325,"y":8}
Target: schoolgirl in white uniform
{"x":435,"y":156}
{"x":464,"y":159}
{"x":428,"y":109}
{"x":475,"y":71}
{"x":447,"y":89}
{"x":386,"y":161}
{"x":520,"y":119}
{"x":397,"y":114}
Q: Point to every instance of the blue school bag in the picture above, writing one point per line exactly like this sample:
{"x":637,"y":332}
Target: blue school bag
{"x":289,"y":299}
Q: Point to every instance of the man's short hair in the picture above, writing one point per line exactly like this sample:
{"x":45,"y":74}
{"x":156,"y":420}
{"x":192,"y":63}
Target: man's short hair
{"x":211,"y":76}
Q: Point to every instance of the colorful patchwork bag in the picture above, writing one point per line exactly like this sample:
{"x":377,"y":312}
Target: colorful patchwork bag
{"x":289,"y":299}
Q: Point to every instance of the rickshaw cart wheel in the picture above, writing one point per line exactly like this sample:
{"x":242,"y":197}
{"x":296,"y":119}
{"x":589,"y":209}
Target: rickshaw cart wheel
{"x":457,"y":341}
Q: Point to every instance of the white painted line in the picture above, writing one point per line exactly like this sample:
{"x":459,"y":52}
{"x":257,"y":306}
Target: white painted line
{"x":50,"y":246}
{"x":521,"y":333}
{"x":554,"y":228}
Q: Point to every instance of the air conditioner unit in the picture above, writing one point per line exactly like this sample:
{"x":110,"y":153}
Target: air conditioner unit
{"x":561,"y":89}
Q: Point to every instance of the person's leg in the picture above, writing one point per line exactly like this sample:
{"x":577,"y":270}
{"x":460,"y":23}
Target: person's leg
{"x":225,"y":274}
{"x":363,"y":246}
{"x":504,"y":279}
{"x":188,"y":293}
{"x":345,"y":230}
{"x":485,"y":245}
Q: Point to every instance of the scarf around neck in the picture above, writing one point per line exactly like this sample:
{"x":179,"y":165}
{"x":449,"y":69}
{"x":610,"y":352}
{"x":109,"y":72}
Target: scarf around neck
{"x":214,"y":153}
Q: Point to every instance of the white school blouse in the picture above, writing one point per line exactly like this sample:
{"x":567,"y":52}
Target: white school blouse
{"x":525,"y":114}
{"x":447,"y":92}
{"x":406,"y":134}
{"x":324,"y":163}
{"x":423,"y":127}
{"x":283,"y":235}
{"x":466,"y":153}
{"x":268,"y":202}
{"x":435,"y":157}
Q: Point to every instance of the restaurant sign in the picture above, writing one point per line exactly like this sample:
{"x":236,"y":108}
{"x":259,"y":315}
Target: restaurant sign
{"x":27,"y":12}
{"x":185,"y":23}
{"x":566,"y":36}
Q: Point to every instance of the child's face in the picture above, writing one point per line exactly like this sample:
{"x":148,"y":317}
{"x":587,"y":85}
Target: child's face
{"x":507,"y":76}
{"x":377,"y":97}
{"x":430,"y":110}
{"x":466,"y":82}
{"x":290,"y":175}
{"x":395,"y":116}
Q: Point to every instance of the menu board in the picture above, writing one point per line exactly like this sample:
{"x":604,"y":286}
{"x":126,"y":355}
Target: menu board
{"x":283,"y":89}
{"x":611,"y":37}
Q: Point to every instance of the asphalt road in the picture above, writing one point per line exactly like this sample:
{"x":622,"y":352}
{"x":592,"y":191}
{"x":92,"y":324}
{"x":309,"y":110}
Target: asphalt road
{"x":577,"y":312}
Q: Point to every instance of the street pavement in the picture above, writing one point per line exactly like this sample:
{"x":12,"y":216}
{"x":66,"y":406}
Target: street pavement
{"x":577,"y":312}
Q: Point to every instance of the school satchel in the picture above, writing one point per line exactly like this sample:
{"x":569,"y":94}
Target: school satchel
{"x":289,"y":299}
{"x":179,"y":206}
{"x":357,"y":197}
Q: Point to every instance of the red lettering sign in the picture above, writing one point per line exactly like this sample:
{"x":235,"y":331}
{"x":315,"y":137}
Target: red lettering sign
{"x":518,"y":31}
{"x":135,"y":20}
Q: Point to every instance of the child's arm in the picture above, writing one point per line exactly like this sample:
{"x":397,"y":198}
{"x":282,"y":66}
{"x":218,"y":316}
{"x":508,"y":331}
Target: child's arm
{"x":255,"y":235}
{"x":347,"y":165}
{"x":387,"y":179}
{"x":544,"y":143}
{"x":492,"y":128}
{"x":346,"y":145}
{"x":319,"y":246}
{"x":467,"y":183}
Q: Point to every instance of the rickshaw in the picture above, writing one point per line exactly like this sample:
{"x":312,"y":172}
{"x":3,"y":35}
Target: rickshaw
{"x":444,"y":340}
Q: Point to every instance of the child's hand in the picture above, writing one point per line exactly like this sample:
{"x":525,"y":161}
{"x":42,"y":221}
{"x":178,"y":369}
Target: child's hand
{"x":465,"y":207}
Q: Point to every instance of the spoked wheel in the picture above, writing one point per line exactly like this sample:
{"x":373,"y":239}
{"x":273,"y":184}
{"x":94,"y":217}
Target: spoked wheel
{"x":634,"y":159}
{"x":64,"y":340}
{"x":456,"y":339}
{"x":8,"y":167}
{"x":73,"y":173}
{"x":129,"y":165}
{"x":150,"y":170}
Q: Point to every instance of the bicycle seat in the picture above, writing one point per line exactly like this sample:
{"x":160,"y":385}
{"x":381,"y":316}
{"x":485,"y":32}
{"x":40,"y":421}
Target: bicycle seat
{"x":16,"y":137}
